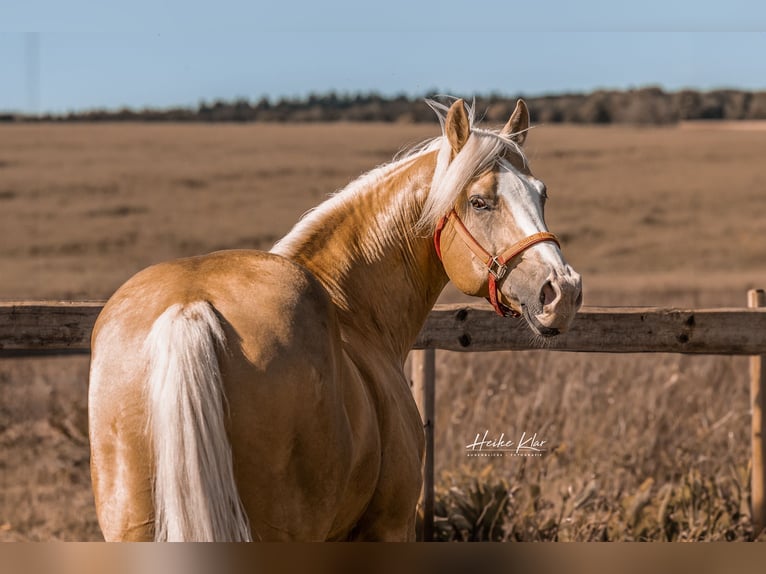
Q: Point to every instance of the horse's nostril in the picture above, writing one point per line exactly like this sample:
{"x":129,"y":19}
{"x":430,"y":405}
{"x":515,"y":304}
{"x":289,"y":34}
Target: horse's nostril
{"x":547,"y":294}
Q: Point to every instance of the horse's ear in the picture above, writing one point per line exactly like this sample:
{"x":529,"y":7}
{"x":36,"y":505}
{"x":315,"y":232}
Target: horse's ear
{"x":457,"y":127}
{"x":518,"y":125}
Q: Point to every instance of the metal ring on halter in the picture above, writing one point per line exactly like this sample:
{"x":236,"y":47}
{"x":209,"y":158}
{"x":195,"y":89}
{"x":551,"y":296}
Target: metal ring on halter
{"x":501,"y":268}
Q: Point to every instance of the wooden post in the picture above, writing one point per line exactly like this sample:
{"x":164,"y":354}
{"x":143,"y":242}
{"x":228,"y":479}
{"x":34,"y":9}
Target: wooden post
{"x":423,"y":383}
{"x":757,"y":298}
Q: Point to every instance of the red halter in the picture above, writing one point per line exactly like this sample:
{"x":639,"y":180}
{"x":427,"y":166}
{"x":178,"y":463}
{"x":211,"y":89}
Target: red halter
{"x":496,"y":264}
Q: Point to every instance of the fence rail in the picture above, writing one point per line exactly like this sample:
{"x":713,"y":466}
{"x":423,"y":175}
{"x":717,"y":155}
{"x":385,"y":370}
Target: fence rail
{"x":34,"y":328}
{"x":49,"y":327}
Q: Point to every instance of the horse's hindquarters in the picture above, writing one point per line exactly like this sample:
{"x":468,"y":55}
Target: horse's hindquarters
{"x":295,"y":460}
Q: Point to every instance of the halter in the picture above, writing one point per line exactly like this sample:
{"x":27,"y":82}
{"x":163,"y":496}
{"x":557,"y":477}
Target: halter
{"x":496,"y":264}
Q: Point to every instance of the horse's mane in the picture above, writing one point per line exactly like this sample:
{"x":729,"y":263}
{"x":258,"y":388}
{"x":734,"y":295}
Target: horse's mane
{"x":482,"y":149}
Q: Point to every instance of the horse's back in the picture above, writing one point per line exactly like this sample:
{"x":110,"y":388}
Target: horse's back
{"x":262,"y":300}
{"x":234,"y":282}
{"x":280,"y":370}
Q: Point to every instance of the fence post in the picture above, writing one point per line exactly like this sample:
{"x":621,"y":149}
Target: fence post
{"x":423,"y":383}
{"x":757,"y":298}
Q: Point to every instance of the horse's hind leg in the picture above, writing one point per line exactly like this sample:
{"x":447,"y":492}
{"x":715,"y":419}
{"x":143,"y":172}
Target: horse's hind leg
{"x":391,"y":514}
{"x":122,"y":490}
{"x":120,"y":457}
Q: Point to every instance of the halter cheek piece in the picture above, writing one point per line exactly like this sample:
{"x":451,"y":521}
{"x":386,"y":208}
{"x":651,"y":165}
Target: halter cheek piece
{"x":496,"y":264}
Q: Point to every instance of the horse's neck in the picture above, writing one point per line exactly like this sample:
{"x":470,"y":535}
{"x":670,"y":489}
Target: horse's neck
{"x":383,"y":278}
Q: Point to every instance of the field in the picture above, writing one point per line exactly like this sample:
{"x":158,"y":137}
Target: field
{"x":642,"y":446}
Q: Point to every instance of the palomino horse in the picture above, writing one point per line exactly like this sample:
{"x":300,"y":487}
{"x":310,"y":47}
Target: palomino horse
{"x":247,"y":395}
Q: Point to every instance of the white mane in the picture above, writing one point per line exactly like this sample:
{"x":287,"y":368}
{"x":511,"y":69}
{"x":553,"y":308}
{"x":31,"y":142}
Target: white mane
{"x":481,"y":150}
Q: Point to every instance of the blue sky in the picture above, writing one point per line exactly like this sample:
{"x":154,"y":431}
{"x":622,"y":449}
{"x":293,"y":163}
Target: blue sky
{"x":162,"y":53}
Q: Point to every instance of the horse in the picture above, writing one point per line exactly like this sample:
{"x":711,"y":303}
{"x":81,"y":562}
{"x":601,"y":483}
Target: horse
{"x":248,"y":395}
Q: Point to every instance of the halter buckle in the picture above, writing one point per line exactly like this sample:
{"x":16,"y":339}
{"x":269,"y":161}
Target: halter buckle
{"x":497,"y":269}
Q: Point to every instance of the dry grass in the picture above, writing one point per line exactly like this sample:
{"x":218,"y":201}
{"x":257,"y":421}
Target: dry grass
{"x":643,"y":447}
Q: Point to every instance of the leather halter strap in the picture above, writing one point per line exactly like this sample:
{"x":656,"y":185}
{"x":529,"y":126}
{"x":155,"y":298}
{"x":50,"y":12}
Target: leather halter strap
{"x":496,"y":264}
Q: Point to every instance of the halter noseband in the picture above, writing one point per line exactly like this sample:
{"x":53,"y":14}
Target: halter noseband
{"x":496,"y":264}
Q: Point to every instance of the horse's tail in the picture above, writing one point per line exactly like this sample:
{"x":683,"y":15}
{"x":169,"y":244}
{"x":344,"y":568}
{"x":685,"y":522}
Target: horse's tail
{"x":195,"y":495}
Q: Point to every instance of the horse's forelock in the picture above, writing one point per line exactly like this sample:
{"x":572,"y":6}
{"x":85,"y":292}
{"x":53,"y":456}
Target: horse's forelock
{"x":482,"y":149}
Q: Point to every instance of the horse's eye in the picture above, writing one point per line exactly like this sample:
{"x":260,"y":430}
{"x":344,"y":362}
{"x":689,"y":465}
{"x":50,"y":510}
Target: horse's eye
{"x":478,"y":203}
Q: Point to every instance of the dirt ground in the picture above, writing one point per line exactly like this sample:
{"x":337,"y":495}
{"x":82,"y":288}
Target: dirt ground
{"x":658,"y":216}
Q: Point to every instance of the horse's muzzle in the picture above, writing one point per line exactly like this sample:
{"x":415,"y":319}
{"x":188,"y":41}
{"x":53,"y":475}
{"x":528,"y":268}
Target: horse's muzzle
{"x":559,"y":300}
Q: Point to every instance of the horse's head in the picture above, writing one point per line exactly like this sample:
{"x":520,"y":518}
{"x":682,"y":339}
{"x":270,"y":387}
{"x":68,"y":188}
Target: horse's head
{"x":492,"y":236}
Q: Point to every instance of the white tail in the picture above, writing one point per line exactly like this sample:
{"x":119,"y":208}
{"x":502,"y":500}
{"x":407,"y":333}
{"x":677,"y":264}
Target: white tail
{"x":195,"y":496}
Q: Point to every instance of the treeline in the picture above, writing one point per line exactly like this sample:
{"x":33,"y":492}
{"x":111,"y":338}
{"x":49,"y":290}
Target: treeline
{"x":640,"y":106}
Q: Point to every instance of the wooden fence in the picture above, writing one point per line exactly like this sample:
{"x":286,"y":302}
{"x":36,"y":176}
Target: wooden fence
{"x":64,"y":327}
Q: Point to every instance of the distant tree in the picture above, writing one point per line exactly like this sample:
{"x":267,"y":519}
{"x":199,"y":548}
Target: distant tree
{"x":756,"y":109}
{"x":649,"y":105}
